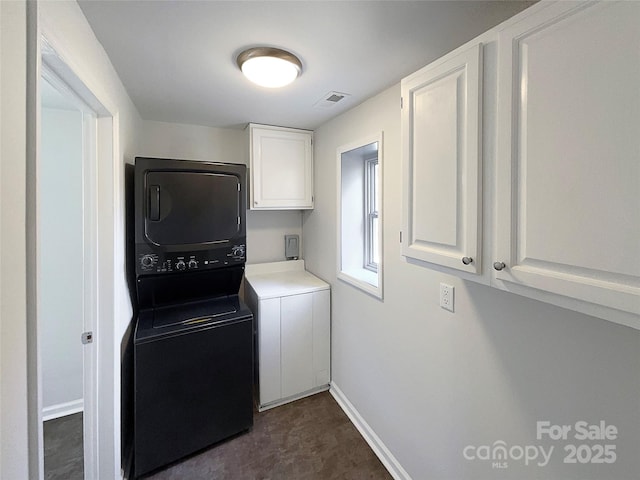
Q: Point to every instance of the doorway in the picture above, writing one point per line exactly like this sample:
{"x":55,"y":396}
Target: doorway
{"x":67,"y":279}
{"x":101,"y":217}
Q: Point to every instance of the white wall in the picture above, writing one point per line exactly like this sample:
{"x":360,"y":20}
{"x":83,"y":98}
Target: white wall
{"x":60,"y":307}
{"x":13,"y":325}
{"x":429,"y":382}
{"x":265,"y":229}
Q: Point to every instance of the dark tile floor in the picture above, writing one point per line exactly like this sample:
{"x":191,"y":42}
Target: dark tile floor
{"x":63,"y":449}
{"x":310,"y":439}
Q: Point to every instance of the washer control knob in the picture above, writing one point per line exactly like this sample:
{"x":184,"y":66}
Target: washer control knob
{"x":180,"y":265}
{"x":146,"y":261}
{"x":193,"y":264}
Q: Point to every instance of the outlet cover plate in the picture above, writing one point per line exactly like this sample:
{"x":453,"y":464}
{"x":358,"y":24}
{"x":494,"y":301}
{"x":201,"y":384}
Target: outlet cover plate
{"x":446,"y":296}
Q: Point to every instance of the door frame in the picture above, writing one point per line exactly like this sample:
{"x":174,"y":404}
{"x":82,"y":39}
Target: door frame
{"x":102,"y":457}
{"x":89,"y":261}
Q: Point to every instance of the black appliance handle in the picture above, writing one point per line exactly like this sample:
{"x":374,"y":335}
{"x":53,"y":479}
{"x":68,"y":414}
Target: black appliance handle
{"x":154,"y":202}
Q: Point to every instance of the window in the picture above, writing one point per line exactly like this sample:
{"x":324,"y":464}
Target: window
{"x":371,"y":251}
{"x":360,"y":220}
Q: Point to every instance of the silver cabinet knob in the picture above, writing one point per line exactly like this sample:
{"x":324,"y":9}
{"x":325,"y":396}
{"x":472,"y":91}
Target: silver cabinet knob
{"x":467,"y":260}
{"x":499,"y":265}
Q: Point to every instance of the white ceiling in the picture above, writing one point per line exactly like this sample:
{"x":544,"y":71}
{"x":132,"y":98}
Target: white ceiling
{"x":177,"y":58}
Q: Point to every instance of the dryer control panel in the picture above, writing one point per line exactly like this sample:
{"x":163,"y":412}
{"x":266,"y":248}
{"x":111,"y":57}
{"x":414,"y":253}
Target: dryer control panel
{"x":162,"y":262}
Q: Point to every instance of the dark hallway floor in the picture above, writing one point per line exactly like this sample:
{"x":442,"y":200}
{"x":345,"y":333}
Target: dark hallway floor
{"x":310,"y":439}
{"x":63,"y":454}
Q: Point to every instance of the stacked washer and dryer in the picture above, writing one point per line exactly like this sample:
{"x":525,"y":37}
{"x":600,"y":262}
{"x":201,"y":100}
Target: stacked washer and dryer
{"x":193,"y":340}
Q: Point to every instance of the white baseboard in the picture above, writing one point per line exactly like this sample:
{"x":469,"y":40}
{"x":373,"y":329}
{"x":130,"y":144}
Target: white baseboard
{"x":386,"y":457}
{"x":277,"y":403}
{"x":62,"y":409}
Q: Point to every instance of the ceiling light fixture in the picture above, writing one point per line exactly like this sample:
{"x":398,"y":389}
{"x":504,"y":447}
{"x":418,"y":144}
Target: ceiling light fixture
{"x":269,"y":67}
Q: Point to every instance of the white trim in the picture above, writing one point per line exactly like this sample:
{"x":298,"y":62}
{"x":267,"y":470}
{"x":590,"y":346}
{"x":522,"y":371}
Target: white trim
{"x":390,"y":462}
{"x":91,"y":273}
{"x":363,"y":279}
{"x":292,"y":398}
{"x":62,"y":409}
{"x":109,"y":148}
{"x":33,"y":113}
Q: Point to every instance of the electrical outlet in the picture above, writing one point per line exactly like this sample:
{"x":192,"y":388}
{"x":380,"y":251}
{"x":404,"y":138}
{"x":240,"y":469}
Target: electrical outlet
{"x":446,"y":296}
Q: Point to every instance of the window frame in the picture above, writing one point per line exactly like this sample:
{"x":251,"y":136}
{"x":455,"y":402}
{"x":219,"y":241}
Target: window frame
{"x":351,"y":217}
{"x":371,"y":213}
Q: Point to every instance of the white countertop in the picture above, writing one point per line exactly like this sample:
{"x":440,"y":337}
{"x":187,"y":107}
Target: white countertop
{"x":281,"y":279}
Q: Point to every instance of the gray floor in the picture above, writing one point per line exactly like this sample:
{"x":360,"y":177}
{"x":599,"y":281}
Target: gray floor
{"x":311,"y":439}
{"x":63,"y":451}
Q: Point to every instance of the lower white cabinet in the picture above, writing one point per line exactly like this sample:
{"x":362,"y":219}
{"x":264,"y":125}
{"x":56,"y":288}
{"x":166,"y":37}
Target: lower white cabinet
{"x":292,"y":311}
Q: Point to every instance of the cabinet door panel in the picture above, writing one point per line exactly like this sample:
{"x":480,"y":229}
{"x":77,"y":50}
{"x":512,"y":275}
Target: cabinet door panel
{"x":441,"y":155}
{"x":282,"y":168}
{"x":568,"y":172}
{"x":269,"y":350}
{"x":296,"y":343}
{"x":321,"y":338}
{"x":435,"y":173}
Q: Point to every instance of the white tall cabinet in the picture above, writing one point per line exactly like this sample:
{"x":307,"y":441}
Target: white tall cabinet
{"x":292,"y":311}
{"x":560,"y":109}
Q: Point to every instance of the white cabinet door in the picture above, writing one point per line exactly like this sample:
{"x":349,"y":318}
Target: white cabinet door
{"x":321,"y":338}
{"x":281,"y":168}
{"x":568,"y":167}
{"x":441,"y":162}
{"x":269,"y":350}
{"x":296,"y":343}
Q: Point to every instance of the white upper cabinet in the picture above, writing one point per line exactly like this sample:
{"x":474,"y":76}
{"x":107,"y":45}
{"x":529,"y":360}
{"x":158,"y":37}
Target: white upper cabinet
{"x":568,"y":166}
{"x":557,"y":91}
{"x":441,"y":153}
{"x":281,"y":168}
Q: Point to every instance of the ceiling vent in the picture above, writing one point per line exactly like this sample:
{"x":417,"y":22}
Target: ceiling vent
{"x":331,"y":99}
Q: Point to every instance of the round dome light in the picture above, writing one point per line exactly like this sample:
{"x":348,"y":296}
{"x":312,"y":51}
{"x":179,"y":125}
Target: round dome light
{"x":269,"y":67}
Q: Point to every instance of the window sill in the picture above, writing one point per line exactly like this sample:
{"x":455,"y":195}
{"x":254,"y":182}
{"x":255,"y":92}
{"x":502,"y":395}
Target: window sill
{"x":364,"y":280}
